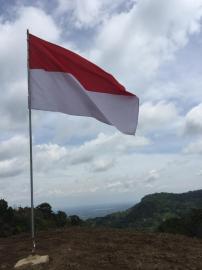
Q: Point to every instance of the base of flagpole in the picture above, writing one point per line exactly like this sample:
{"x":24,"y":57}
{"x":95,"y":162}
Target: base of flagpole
{"x":32,"y":260}
{"x":33,"y":247}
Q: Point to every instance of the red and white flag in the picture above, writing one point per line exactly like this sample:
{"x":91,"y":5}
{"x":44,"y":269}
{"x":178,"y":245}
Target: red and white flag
{"x":62,"y":81}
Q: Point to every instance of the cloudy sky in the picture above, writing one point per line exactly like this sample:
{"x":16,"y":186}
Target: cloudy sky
{"x":154,"y":48}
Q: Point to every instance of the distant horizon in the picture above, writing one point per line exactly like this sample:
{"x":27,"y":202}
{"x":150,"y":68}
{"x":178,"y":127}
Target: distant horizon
{"x":85,"y":211}
{"x":96,"y":210}
{"x":93,"y":203}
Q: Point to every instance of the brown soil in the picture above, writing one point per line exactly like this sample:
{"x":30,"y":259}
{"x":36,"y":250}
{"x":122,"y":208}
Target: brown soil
{"x":93,"y":249}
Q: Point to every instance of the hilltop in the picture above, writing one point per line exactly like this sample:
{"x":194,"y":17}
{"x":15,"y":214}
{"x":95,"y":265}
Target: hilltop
{"x":109,"y":249}
{"x":77,"y":245}
{"x":152,"y":211}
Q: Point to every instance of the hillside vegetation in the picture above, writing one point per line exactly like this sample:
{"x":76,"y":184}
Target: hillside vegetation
{"x":165,"y":212}
{"x":160,"y":212}
{"x":14,"y":221}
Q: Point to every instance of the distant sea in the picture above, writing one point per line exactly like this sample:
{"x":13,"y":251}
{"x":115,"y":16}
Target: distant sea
{"x":98,"y":210}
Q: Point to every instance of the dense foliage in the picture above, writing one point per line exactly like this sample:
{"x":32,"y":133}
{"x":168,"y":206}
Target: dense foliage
{"x":13,"y":221}
{"x":170,"y":210}
{"x":189,"y":224}
{"x":163,"y":212}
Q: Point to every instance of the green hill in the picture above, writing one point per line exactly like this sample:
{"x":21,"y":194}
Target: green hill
{"x":152,"y":211}
{"x":164,"y":212}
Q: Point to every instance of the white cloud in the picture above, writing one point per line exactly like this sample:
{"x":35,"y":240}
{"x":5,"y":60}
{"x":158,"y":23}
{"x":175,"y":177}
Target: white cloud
{"x":99,"y":153}
{"x":52,"y":160}
{"x":14,"y":32}
{"x":89,"y":13}
{"x":13,"y":58}
{"x":199,"y":173}
{"x":83,"y":13}
{"x":14,"y":156}
{"x":47,"y":157}
{"x":12,"y":167}
{"x":194,"y":147}
{"x":114,"y":184}
{"x":116,"y":143}
{"x":103,"y":164}
{"x":155,"y":116}
{"x":13,"y":147}
{"x":193,"y":120}
{"x":135,"y":43}
{"x":152,"y":176}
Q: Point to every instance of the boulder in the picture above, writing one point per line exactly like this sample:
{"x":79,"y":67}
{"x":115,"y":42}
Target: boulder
{"x":32,"y":260}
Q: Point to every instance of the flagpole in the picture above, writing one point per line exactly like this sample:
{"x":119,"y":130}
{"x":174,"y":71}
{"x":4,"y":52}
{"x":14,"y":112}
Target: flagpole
{"x":30,"y":148}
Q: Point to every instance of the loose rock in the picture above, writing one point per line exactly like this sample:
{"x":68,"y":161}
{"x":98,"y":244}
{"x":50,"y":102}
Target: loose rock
{"x":32,"y":260}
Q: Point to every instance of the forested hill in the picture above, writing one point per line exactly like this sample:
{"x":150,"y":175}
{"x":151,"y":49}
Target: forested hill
{"x":164,"y":212}
{"x":152,"y":211}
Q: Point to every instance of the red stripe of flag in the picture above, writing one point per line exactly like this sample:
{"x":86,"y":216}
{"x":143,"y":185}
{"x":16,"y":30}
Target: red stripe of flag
{"x":50,"y":57}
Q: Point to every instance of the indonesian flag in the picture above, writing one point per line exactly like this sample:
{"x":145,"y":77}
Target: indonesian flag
{"x":62,"y":81}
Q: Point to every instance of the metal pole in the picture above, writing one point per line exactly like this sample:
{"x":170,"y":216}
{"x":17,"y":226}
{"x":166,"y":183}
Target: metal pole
{"x":30,"y":148}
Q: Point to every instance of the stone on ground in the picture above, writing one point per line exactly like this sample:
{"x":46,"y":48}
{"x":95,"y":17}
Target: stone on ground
{"x":31,"y":261}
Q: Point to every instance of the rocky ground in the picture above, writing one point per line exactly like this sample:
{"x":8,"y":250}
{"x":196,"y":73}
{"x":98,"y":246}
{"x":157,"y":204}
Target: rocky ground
{"x":90,"y":249}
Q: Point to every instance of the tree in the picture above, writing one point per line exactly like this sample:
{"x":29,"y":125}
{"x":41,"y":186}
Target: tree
{"x":45,"y":209}
{"x":75,"y":220}
{"x":3,"y":206}
{"x":189,"y":224}
{"x":61,"y":219}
